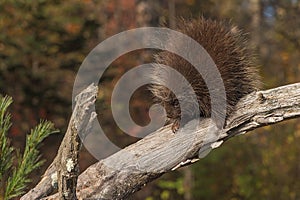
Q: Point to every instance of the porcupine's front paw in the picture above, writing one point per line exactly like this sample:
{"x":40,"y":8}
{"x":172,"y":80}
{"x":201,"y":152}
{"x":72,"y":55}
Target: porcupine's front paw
{"x":175,"y":125}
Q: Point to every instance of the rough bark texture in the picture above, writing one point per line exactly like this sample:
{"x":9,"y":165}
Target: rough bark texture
{"x":64,"y":170}
{"x":128,"y":170}
{"x":68,"y":154}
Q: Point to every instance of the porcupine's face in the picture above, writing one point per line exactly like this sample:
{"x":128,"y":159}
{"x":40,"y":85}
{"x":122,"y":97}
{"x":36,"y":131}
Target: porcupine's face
{"x":167,"y":99}
{"x":174,"y":107}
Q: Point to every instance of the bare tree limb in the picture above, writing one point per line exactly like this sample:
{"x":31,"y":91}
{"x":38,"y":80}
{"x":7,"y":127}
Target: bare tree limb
{"x":68,"y":166}
{"x":128,"y":170}
{"x":64,"y":170}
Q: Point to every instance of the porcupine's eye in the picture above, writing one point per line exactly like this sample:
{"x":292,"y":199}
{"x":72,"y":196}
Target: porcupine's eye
{"x":175,"y":103}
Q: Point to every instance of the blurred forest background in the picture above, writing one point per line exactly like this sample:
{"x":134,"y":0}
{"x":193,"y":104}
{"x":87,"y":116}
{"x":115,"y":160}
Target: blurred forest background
{"x":43,"y":43}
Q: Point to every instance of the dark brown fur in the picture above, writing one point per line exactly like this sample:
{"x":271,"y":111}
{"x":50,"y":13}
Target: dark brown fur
{"x":228,"y":48}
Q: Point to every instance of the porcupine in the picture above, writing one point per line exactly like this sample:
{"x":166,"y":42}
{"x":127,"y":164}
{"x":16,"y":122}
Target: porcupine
{"x":228,"y":48}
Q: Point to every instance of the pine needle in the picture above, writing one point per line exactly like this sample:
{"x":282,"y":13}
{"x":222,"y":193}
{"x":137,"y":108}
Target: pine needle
{"x":6,"y":158}
{"x":16,"y":184}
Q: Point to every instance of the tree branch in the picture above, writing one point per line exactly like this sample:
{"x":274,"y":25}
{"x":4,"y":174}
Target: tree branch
{"x":64,"y":169}
{"x":128,"y":170}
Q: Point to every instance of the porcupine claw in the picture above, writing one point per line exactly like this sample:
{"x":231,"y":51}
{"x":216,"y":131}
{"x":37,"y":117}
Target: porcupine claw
{"x":175,"y":126}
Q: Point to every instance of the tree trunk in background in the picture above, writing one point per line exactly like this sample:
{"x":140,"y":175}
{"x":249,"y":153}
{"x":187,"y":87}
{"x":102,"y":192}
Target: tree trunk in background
{"x":188,"y":183}
{"x":255,"y":10}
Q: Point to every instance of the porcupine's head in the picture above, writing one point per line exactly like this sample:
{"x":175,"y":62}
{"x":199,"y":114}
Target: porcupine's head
{"x":229,"y":50}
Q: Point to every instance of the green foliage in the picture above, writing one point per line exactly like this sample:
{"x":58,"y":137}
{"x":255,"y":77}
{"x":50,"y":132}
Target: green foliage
{"x":251,"y":167}
{"x":5,"y":149}
{"x":17,"y":181}
{"x":167,"y":186}
{"x":149,"y":198}
{"x":171,"y":185}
